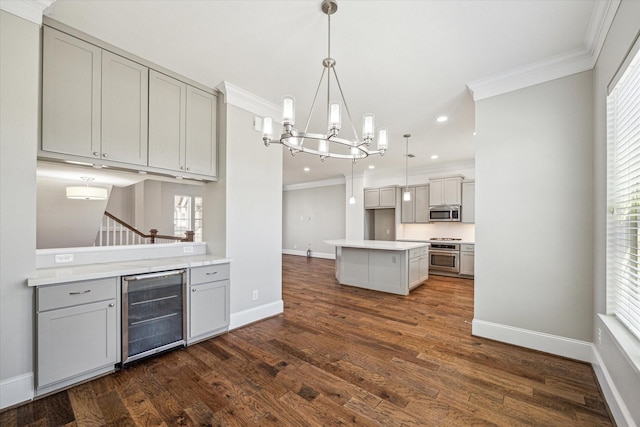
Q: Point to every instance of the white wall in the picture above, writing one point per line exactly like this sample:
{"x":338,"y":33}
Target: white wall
{"x":616,"y":375}
{"x":533,"y":281}
{"x":19,"y":87}
{"x":310,"y":216}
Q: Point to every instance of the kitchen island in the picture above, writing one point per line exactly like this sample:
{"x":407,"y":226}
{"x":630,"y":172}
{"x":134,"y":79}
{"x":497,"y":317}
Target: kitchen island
{"x":386,"y":266}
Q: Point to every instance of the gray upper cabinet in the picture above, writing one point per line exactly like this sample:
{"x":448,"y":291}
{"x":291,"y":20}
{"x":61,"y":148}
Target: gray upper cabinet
{"x":445,"y":191}
{"x":94,"y":102}
{"x":182,"y":126}
{"x":417,"y":209}
{"x":71,"y":95}
{"x":384,"y":197}
{"x":167,"y":117}
{"x":469,"y":202}
{"x":201,"y":139}
{"x":114,"y":109}
{"x":125,"y":88}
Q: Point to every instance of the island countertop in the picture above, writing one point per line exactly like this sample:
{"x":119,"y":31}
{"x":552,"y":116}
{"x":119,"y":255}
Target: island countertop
{"x":377,"y":244}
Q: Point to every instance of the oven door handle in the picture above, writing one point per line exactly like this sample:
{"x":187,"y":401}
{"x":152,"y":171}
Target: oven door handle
{"x":437,"y":252}
{"x":153,"y":275}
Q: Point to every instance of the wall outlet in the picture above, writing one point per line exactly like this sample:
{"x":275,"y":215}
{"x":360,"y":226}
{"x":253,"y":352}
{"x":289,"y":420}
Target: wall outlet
{"x":254,"y":295}
{"x":393,"y":260}
{"x":599,"y":336}
{"x":62,"y":258}
{"x":187,"y":250}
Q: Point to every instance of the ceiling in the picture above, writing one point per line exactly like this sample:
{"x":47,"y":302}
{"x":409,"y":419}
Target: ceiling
{"x":407,"y":62}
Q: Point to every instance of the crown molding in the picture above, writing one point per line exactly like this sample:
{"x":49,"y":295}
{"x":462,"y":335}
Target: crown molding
{"x":556,"y":67}
{"x":241,"y":98}
{"x":315,"y":184}
{"x":31,"y":10}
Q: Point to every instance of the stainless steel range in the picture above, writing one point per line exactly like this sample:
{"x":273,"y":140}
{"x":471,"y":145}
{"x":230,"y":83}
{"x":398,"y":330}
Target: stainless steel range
{"x":444,"y":255}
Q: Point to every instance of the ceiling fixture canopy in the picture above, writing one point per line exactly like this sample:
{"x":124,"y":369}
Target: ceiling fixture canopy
{"x":86,"y":192}
{"x":327,"y":144}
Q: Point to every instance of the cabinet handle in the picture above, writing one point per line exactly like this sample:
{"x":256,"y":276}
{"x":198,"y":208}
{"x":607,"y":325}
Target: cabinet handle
{"x":111,"y":305}
{"x":104,"y":155}
{"x":211,"y":273}
{"x":188,"y":168}
{"x":95,"y":153}
{"x":80,"y":293}
{"x":181,"y":168}
{"x":193,"y":289}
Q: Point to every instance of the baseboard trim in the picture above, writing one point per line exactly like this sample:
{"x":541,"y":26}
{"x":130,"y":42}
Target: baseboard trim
{"x":252,"y":315}
{"x":16,"y":390}
{"x":313,"y":254}
{"x":619,"y":411}
{"x":554,"y":344}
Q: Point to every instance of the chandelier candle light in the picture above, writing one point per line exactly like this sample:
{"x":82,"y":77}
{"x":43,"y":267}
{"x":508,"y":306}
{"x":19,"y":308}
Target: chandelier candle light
{"x":328,"y":143}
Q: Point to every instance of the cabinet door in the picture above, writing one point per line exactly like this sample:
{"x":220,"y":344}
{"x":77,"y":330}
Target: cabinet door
{"x":75,"y":340}
{"x":125,"y":88}
{"x":387,"y":197}
{"x":70,"y":95}
{"x":201,"y":142}
{"x":414,"y":272}
{"x":208,"y":308}
{"x":469,"y":202}
{"x":422,"y":204}
{"x":408,"y":207}
{"x":423,"y":266}
{"x":371,"y":198}
{"x":436,"y":192}
{"x":167,"y":107}
{"x":467,"y":261}
{"x":452,"y":191}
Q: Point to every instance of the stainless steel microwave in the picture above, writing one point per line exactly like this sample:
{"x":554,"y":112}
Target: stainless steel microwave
{"x":444,"y":213}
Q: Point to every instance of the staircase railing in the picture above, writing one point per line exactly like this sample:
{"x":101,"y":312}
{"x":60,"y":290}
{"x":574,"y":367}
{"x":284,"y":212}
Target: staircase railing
{"x":116,"y":232}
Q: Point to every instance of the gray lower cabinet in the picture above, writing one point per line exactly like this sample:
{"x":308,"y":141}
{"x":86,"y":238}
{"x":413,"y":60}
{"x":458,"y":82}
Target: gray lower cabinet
{"x":469,"y":202}
{"x":418,"y":266}
{"x":467,"y":259}
{"x":209,"y":302}
{"x":77,"y":332}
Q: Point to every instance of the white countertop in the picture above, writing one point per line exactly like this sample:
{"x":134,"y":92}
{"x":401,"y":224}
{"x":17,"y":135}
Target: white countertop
{"x":377,"y":244}
{"x":72,"y":273}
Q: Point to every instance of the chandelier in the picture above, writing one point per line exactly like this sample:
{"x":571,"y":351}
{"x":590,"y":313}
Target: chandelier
{"x":329,"y":144}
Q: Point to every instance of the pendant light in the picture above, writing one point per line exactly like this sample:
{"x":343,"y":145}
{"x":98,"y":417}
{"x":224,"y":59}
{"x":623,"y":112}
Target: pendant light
{"x":406,"y":196}
{"x":352,"y":199}
{"x":327,"y":144}
{"x":86,"y":192}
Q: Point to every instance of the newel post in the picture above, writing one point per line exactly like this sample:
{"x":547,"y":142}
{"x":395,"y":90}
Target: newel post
{"x":189,"y":235}
{"x":153,"y":233}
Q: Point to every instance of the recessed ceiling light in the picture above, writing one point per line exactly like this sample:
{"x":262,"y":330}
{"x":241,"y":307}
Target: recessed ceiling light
{"x":474,"y":133}
{"x":435,"y":156}
{"x":307,"y":169}
{"x":372,"y":167}
{"x":442,"y":119}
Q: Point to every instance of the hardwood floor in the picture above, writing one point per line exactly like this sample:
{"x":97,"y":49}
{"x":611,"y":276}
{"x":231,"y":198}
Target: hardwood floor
{"x":339,"y":356}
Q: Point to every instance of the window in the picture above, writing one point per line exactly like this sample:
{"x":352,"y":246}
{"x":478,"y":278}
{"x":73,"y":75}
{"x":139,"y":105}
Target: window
{"x":623,"y":195}
{"x":187,"y":216}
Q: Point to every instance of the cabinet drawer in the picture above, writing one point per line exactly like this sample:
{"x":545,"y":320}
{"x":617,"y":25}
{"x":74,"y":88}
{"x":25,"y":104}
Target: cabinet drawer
{"x":467,"y":248}
{"x":413,"y":253}
{"x":424,"y":250}
{"x":209,"y":274}
{"x":70,"y":294}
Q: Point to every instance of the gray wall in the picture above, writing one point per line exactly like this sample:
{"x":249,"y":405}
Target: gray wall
{"x":626,"y":378}
{"x":534,"y":209}
{"x":312,"y":215}
{"x":19,"y":86}
{"x":65,"y":223}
